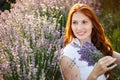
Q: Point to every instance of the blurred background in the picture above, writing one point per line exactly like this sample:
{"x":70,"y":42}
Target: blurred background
{"x":31,"y":35}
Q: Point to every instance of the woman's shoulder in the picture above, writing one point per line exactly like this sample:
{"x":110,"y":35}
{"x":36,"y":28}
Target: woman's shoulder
{"x":70,"y":50}
{"x":67,"y":51}
{"x":73,"y":45}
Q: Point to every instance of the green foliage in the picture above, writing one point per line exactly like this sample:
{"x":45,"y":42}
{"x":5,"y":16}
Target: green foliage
{"x":116,"y":73}
{"x":6,"y":5}
{"x":114,"y":37}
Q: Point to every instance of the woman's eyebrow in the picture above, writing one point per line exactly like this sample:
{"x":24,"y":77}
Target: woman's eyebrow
{"x":80,"y":20}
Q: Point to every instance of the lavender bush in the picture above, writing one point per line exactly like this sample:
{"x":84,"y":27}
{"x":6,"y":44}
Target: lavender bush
{"x":28,"y":43}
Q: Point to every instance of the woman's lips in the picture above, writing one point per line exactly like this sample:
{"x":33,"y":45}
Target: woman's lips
{"x":81,"y":33}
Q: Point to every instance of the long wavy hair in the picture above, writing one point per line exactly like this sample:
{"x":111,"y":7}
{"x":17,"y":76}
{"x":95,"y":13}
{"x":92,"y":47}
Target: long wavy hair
{"x":97,"y":36}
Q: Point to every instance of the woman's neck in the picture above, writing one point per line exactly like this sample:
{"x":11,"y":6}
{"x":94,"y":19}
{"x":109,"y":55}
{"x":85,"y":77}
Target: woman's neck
{"x":82,"y":41}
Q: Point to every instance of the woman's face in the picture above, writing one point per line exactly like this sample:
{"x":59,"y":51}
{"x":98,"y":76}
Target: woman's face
{"x":81,"y":26}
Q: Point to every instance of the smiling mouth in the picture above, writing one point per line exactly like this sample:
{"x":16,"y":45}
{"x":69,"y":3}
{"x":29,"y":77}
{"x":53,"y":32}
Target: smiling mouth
{"x":81,"y":33}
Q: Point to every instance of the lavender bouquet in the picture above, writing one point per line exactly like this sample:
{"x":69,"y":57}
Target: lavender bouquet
{"x":89,"y":53}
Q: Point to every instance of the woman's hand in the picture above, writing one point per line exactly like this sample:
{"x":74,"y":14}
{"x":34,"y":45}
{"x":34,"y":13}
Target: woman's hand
{"x":104,"y":64}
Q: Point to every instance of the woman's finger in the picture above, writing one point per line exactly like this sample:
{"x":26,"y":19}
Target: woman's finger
{"x":111,"y":67}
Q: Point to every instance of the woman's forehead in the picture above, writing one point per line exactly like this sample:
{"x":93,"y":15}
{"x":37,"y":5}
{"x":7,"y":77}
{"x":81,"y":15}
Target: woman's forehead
{"x":79,"y":15}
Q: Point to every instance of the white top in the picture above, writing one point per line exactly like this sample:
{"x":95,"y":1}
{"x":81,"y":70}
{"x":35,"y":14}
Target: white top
{"x":71,"y":52}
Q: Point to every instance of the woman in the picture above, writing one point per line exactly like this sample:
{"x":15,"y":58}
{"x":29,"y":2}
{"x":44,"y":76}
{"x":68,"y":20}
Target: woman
{"x":84,"y":26}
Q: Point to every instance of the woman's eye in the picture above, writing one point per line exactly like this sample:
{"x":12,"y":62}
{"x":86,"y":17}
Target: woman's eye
{"x":84,"y":22}
{"x":75,"y":22}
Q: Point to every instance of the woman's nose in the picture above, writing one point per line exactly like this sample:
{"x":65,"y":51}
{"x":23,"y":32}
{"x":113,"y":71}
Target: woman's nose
{"x":79,"y":26}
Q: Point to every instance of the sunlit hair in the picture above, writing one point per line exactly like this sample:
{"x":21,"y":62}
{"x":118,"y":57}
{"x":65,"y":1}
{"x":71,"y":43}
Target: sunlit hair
{"x":97,"y":37}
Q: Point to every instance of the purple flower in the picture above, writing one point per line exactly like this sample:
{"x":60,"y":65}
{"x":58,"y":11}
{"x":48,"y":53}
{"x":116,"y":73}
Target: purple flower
{"x":89,"y":53}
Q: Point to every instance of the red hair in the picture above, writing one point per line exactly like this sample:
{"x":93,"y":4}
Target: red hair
{"x":97,"y":36}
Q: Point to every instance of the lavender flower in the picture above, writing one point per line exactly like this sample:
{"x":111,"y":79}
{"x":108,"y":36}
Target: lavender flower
{"x":89,"y":53}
